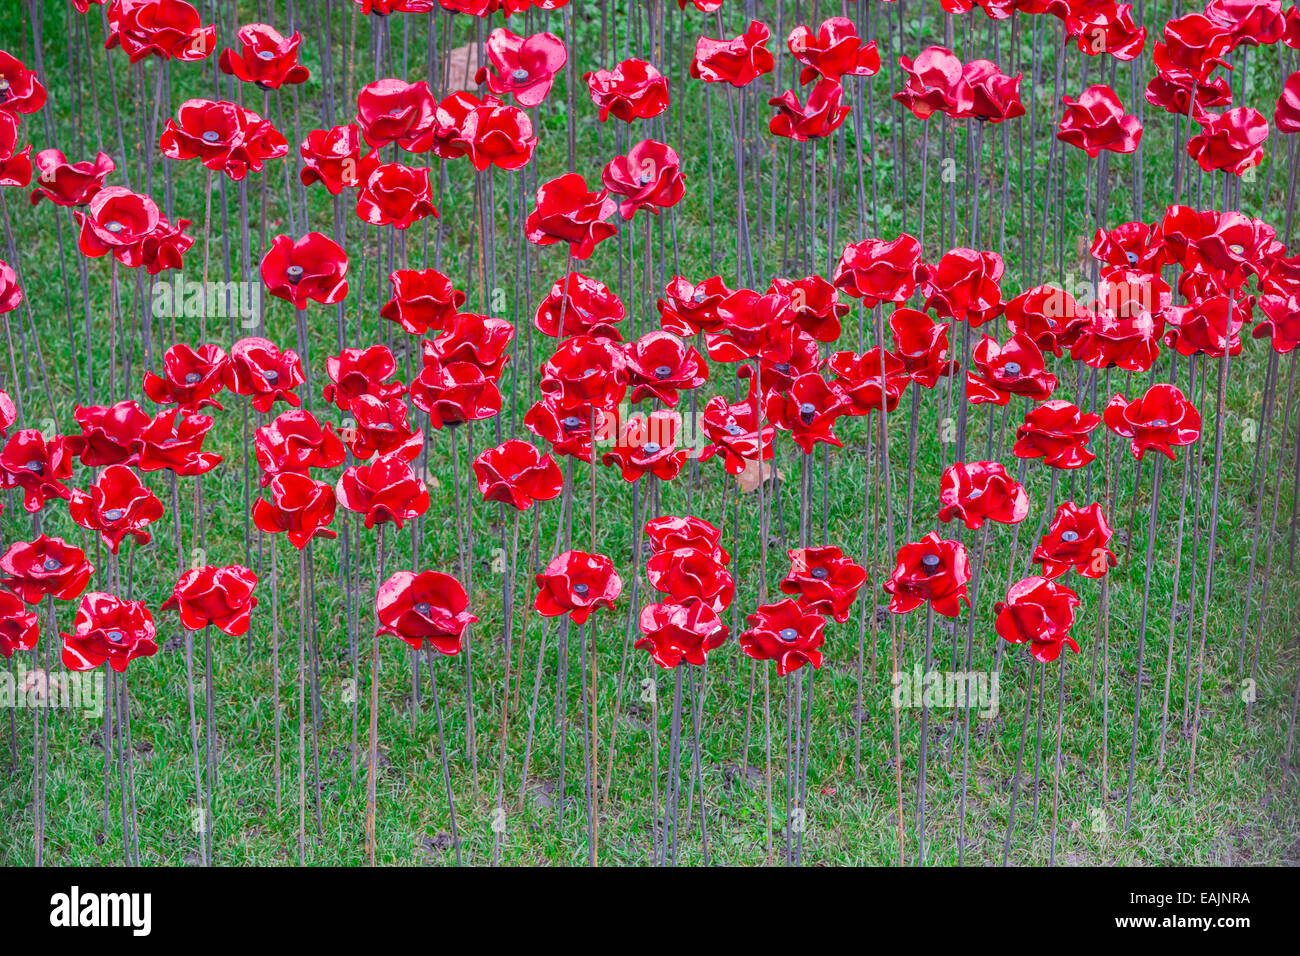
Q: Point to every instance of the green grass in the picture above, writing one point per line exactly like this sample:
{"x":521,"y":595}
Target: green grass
{"x":1243,"y":809}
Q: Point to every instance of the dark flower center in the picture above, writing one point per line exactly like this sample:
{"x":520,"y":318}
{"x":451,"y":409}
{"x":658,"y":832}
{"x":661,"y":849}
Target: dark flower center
{"x":1069,"y":536}
{"x":36,"y":467}
{"x":51,"y":564}
{"x":581,"y":589}
{"x":698,"y":297}
{"x":1011,"y":368}
{"x":294,"y":273}
{"x":571,"y":423}
{"x":211,"y":136}
{"x":821,"y":574}
{"x":807,"y":411}
{"x":1158,"y":423}
{"x":663,"y":371}
{"x":116,"y":637}
{"x":650,"y":448}
{"x":520,"y":75}
{"x":782,"y":367}
{"x":113,"y":514}
{"x":930,"y":562}
{"x":1237,"y":248}
{"x":1132,"y":258}
{"x":734,"y":429}
{"x":423,"y":608}
{"x":271,"y":375}
{"x":193,"y":378}
{"x":788,"y":634}
{"x":646,"y":179}
{"x":114,"y":226}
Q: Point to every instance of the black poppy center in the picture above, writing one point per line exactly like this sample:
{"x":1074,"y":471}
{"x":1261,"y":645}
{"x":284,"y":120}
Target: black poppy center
{"x":650,"y":448}
{"x":581,"y":589}
{"x":1158,"y":423}
{"x":294,"y":273}
{"x":193,"y":378}
{"x":734,"y":430}
{"x":697,"y":298}
{"x":930,"y":562}
{"x":51,"y":564}
{"x":1069,"y":536}
{"x":807,"y":411}
{"x":423,"y":607}
{"x":821,"y":574}
{"x":1011,"y":368}
{"x":116,"y":637}
{"x":663,"y":371}
{"x":520,"y":75}
{"x":36,"y":467}
{"x":271,"y":375}
{"x":113,"y":514}
{"x":571,"y":423}
{"x":788,"y":634}
{"x":265,"y":55}
{"x":114,"y":226}
{"x":211,"y":136}
{"x":1132,"y":258}
{"x":782,"y":367}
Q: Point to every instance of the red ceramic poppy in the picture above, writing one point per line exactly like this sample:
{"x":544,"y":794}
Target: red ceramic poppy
{"x":995,"y":97}
{"x":518,"y":474}
{"x":169,"y":29}
{"x":1077,"y":539}
{"x":1232,"y":141}
{"x":11,"y":293}
{"x":45,"y":567}
{"x":429,"y":606}
{"x":423,"y":299}
{"x":1057,"y":432}
{"x":872,"y":380}
{"x":393,"y":194}
{"x":69,"y":184}
{"x":784,"y":632}
{"x":569,"y":429}
{"x":1000,"y":371}
{"x":648,"y":444}
{"x":394,"y":111}
{"x":313,"y":268}
{"x":525,"y":67}
{"x":689,"y":308}
{"x":510,"y":7}
{"x":1132,"y":245}
{"x":672,"y":533}
{"x":808,"y":409}
{"x":295,"y":441}
{"x":449,"y":119}
{"x":1281,"y":322}
{"x":8,"y":414}
{"x":734,"y":433}
{"x":649,"y":176}
{"x":692,"y":574}
{"x":815,"y":304}
{"x":383,"y":8}
{"x":835,"y":50}
{"x":1192,"y":42}
{"x":738,"y":61}
{"x":454,"y":393}
{"x":825,"y":581}
{"x":585,"y":370}
{"x":1159,"y":420}
{"x":117,"y":221}
{"x":1248,"y":22}
{"x":1110,"y":31}
{"x":1038,"y":612}
{"x":749,"y":323}
{"x":782,"y":358}
{"x":165,"y":246}
{"x":567,"y":212}
{"x":495,"y":134}
{"x":933,"y":570}
{"x":37,"y":466}
{"x":876,"y":271}
{"x":1286,"y":115}
{"x":1048,"y":315}
{"x":20,"y":88}
{"x":190,"y":377}
{"x":819,"y":116}
{"x":218,"y":596}
{"x":934,"y":84}
{"x":659,"y":366}
{"x":355,"y":372}
{"x":1177,"y":91}
{"x":300,"y":506}
{"x":174,"y":441}
{"x":108,"y":628}
{"x":387,"y":489}
{"x":258,"y":367}
{"x":332,"y":157}
{"x":632,"y":90}
{"x":1228,"y":247}
{"x":672,"y":633}
{"x":576,"y":583}
{"x":588,"y":307}
{"x":265,"y":57}
{"x":19,"y":627}
{"x":381,"y":427}
{"x":964,"y":286}
{"x":478,"y":340}
{"x":115,"y":505}
{"x":981,"y":490}
{"x":1210,"y":326}
{"x":224,"y":136}
{"x":921,"y":347}
{"x":15,"y":167}
{"x":109,"y":435}
{"x":1097,"y":121}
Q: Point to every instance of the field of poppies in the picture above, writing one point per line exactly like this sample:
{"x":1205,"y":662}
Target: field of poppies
{"x":605,"y":432}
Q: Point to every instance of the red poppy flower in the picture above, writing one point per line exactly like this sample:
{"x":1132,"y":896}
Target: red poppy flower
{"x":356,"y":372}
{"x":1097,"y":121}
{"x":782,"y":358}
{"x":588,"y":307}
{"x":394,"y":111}
{"x":218,"y":596}
{"x":935,"y":84}
{"x":115,"y":505}
{"x":1110,"y":31}
{"x":689,"y":309}
{"x":36,"y":466}
{"x":20,"y":89}
{"x":446,"y":140}
{"x":455,"y":393}
{"x":872,"y":380}
{"x":1158,"y":420}
{"x":632,"y":90}
{"x":815,"y":304}
{"x":518,"y":474}
{"x":381,"y":427}
{"x":819,"y":116}
{"x":8,"y":414}
{"x":964,"y":286}
{"x":921,"y":347}
{"x":429,"y":606}
{"x":1132,"y":245}
{"x":1228,"y":247}
{"x":108,"y":628}
{"x":226,"y":137}
{"x":382,"y":8}
{"x":495,"y":134}
{"x":331,"y":156}
{"x":650,"y":176}
{"x":1232,"y":141}
{"x":691,"y":574}
{"x":749,"y":323}
{"x":738,"y":61}
{"x":258,"y":367}
{"x":825,"y":580}
{"x":11,"y":293}
{"x":523,"y":66}
{"x":1193,"y":42}
{"x":15,"y":168}
{"x":567,"y":212}
{"x":672,"y":633}
{"x":933,"y":570}
{"x":734,"y":433}
{"x":1176,"y":91}
{"x":568,"y":429}
{"x":876,"y":271}
{"x":995,"y":97}
{"x":19,"y":627}
{"x":170,"y":29}
{"x":109,"y":435}
{"x":69,"y":184}
{"x":1039,"y":612}
{"x":585,"y":370}
{"x":295,"y":441}
{"x":648,"y":445}
{"x":576,"y":583}
{"x":1107,"y":340}
{"x":190,"y":377}
{"x":396,"y":195}
{"x":659,"y":365}
{"x":1000,"y":371}
{"x":1056,"y":431}
{"x":117,"y":221}
{"x":387,"y":489}
{"x":784,"y":632}
{"x":299,"y":506}
{"x":672,"y":533}
{"x":265,"y":57}
{"x":423,"y":299}
{"x":834,"y":51}
{"x":808,"y":409}
{"x":311,"y":269}
{"x":1048,"y":315}
{"x":164,"y":247}
{"x":174,"y":440}
{"x":479,"y":340}
{"x":1286,"y":116}
{"x":1077,"y":539}
{"x":45,"y":566}
{"x":1281,"y":322}
{"x":1209,"y":326}
{"x":979,"y":491}
{"x":1248,"y":22}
